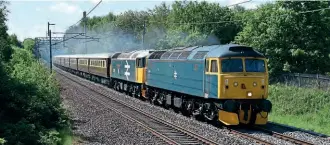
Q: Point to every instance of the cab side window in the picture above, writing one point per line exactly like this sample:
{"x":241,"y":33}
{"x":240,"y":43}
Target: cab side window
{"x":140,"y":62}
{"x":214,"y":66}
{"x":207,"y":65}
{"x":143,"y":62}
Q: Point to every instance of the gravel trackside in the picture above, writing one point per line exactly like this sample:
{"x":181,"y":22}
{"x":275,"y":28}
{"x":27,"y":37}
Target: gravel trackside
{"x":98,"y":125}
{"x":87,"y":109}
{"x":95,"y":124}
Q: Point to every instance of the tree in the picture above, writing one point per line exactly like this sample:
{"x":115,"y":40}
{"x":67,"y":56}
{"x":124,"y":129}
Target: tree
{"x":14,"y":41}
{"x":293,"y":41}
{"x":28,"y":44}
{"x":195,"y":16}
{"x":30,"y":105}
{"x":5,"y":49}
{"x":157,"y":27}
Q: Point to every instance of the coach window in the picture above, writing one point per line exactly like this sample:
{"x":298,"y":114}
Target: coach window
{"x":214,"y":66}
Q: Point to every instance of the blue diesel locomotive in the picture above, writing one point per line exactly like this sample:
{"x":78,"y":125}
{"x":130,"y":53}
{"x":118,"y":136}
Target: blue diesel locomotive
{"x":226,"y":83}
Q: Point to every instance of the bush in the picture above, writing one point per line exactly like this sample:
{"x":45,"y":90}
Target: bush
{"x":31,"y":104}
{"x":301,"y":107}
{"x":2,"y":141}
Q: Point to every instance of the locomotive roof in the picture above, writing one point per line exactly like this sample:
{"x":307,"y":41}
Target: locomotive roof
{"x":234,"y":50}
{"x":201,"y":52}
{"x":133,"y":54}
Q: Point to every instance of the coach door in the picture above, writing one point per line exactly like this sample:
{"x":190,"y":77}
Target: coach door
{"x":211,"y":78}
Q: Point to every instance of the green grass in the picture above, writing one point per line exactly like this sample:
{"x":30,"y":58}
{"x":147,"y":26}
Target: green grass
{"x":66,"y":136}
{"x":301,"y":107}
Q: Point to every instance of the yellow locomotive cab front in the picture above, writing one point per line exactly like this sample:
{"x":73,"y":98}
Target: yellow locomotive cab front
{"x":243,"y":89}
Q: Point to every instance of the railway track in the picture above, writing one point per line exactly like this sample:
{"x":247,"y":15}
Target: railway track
{"x":168,"y":132}
{"x":247,"y":136}
{"x":291,"y":128}
{"x":282,"y":136}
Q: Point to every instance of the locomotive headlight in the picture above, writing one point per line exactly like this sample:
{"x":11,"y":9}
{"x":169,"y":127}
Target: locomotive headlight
{"x":262,"y":81}
{"x":235,"y":84}
{"x":254,"y":84}
{"x":226,"y":82}
{"x":249,"y":94}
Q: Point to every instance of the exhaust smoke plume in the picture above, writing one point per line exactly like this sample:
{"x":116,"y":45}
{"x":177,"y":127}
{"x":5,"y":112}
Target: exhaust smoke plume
{"x":113,"y":39}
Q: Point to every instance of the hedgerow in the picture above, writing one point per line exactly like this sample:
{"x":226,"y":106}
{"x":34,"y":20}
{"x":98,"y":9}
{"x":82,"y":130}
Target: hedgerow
{"x":30,"y":102}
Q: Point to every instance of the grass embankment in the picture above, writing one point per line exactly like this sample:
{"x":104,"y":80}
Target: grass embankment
{"x":301,"y":107}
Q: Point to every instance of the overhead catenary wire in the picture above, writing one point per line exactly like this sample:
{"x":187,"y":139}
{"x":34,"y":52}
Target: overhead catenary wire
{"x":79,"y":34}
{"x":94,"y":7}
{"x":214,"y":22}
{"x":229,"y":21}
{"x":239,"y":3}
{"x":87,"y":13}
{"x":67,"y":39}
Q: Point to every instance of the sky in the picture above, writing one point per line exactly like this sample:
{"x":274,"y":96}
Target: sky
{"x":28,"y":18}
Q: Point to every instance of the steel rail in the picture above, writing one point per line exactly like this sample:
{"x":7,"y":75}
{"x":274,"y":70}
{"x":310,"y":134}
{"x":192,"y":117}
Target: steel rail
{"x":178,"y":128}
{"x":298,"y":129}
{"x":247,"y":136}
{"x":282,"y":136}
{"x":161,"y":121}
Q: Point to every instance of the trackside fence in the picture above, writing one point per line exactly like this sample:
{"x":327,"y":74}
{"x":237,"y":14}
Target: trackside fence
{"x":303,"y":80}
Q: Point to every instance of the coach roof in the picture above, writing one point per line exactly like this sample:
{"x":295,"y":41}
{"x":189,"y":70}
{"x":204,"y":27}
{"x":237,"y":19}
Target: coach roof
{"x":95,"y":55}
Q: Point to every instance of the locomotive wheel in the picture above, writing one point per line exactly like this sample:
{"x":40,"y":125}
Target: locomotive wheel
{"x":130,"y":89}
{"x":187,"y":108}
{"x":154,"y":98}
{"x":198,"y":113}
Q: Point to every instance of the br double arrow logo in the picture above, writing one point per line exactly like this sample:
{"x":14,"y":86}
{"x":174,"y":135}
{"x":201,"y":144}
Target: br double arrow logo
{"x":175,"y":74}
{"x":127,"y":73}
